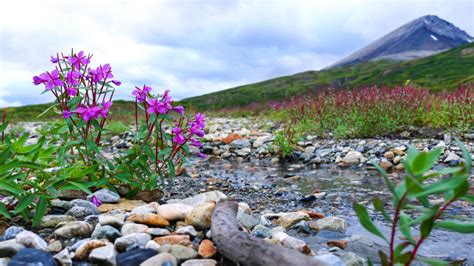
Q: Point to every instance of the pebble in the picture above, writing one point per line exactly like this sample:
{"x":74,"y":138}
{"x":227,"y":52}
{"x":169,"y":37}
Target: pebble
{"x":153,"y":245}
{"x":133,"y":228}
{"x":158,"y":231}
{"x":187,"y":230}
{"x":332,"y":223}
{"x":124,"y":242}
{"x":86,"y":204}
{"x":54,"y":247}
{"x":352,"y":158}
{"x":184,"y":240}
{"x":179,"y":252}
{"x":11,"y":232}
{"x":31,"y":240}
{"x":104,"y":255}
{"x":135,"y":257}
{"x":261,"y":231}
{"x":162,"y":259}
{"x":9,"y":248}
{"x":329,"y":259}
{"x":288,"y":219}
{"x":115,"y":220}
{"x":106,"y":232}
{"x":246,"y":220}
{"x":200,"y":216}
{"x":207,"y":249}
{"x":150,"y":219}
{"x":174,"y":212}
{"x":31,"y":256}
{"x":122,"y":204}
{"x":54,"y":220}
{"x":83,"y":251}
{"x":105,"y":196}
{"x":210,"y":196}
{"x":64,"y":257}
{"x":79,"y":212}
{"x":200,"y":262}
{"x":74,"y":229}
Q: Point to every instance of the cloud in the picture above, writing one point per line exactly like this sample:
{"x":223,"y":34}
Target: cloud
{"x":195,"y":47}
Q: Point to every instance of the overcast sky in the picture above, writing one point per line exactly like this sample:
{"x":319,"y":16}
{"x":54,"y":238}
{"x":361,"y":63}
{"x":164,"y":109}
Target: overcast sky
{"x":196,"y":47}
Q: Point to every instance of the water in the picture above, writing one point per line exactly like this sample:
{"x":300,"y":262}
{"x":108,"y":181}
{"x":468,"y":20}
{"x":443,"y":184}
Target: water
{"x":341,"y":188}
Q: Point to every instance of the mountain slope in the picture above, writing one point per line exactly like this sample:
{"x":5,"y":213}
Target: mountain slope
{"x":443,"y":71}
{"x":421,"y":37}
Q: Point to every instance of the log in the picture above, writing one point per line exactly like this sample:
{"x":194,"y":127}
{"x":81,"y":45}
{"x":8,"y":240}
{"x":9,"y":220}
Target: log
{"x":245,"y":249}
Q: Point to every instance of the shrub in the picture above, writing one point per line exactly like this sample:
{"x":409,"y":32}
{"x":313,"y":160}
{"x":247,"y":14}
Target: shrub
{"x":411,"y":205}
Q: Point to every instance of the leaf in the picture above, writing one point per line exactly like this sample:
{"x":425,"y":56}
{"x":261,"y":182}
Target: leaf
{"x":81,"y":187}
{"x":47,"y":109}
{"x":4,"y":211}
{"x":385,"y":177}
{"x":383,"y":258}
{"x":434,"y":262}
{"x":442,"y":186}
{"x":24,"y":203}
{"x":172,"y":170}
{"x":405,"y":222}
{"x":3,"y":126}
{"x":466,"y":155}
{"x":366,"y":222}
{"x":425,"y":161}
{"x":460,"y":227}
{"x":426,"y":226}
{"x":399,"y":248}
{"x":378,"y":205}
{"x":40,"y":210}
{"x":11,"y":187}
{"x":74,"y":101}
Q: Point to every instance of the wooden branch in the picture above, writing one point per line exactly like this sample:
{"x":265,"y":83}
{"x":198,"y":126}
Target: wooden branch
{"x":245,"y":249}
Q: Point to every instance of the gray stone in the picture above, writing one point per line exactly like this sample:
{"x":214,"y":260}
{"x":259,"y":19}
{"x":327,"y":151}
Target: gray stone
{"x":133,"y":228}
{"x":261,"y":231}
{"x":11,"y":232}
{"x":179,"y":252}
{"x":105,"y":196}
{"x":123,"y":242}
{"x":352,"y":158}
{"x":104,"y":255}
{"x":187,"y":230}
{"x":241,"y":143}
{"x":31,"y":256}
{"x":158,"y":231}
{"x":9,"y":248}
{"x":330,"y":260}
{"x":162,"y":259}
{"x":86,"y":204}
{"x":246,"y":220}
{"x":351,"y":259}
{"x":332,"y":223}
{"x":54,"y":247}
{"x":74,"y":229}
{"x":115,"y":220}
{"x":79,"y":212}
{"x":200,"y":262}
{"x":54,"y":220}
{"x":32,"y":240}
{"x":106,"y":232}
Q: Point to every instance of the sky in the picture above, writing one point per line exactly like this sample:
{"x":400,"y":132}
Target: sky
{"x":196,"y":47}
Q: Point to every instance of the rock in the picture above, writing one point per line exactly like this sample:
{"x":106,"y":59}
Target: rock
{"x":122,"y":204}
{"x":79,"y":212}
{"x":312,"y":214}
{"x":389,"y":155}
{"x":104,"y":255}
{"x":150,"y":219}
{"x":184,"y":240}
{"x":200,"y":262}
{"x":162,"y":259}
{"x":261,"y":231}
{"x":241,"y":144}
{"x":54,"y":247}
{"x":74,"y":229}
{"x":296,"y":244}
{"x":333,"y":224}
{"x":330,"y":260}
{"x":231,"y":137}
{"x":135,"y":257}
{"x":31,"y":256}
{"x":149,"y":195}
{"x":207,"y":249}
{"x":153,"y":245}
{"x":351,"y":259}
{"x":9,"y":248}
{"x":260,"y":141}
{"x":115,"y":220}
{"x":123,"y":242}
{"x":246,"y":220}
{"x":352,"y":158}
{"x":64,"y":257}
{"x":54,"y":220}
{"x":31,"y":240}
{"x":342,"y":244}
{"x":174,"y":212}
{"x":11,"y":232}
{"x":187,"y":230}
{"x":86,"y":204}
{"x":200,"y":216}
{"x":133,"y":228}
{"x":179,"y":252}
{"x":399,"y":150}
{"x":288,"y":219}
{"x":385,"y":164}
{"x":83,"y":251}
{"x":302,"y":227}
{"x":4,"y":261}
{"x":149,"y":208}
{"x":158,"y":231}
{"x":452,"y":157}
{"x":106,"y":232}
{"x":105,"y":196}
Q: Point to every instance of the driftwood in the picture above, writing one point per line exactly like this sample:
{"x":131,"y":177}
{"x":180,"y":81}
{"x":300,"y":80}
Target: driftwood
{"x":245,"y":249}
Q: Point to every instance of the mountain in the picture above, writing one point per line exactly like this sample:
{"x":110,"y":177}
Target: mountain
{"x":421,"y":37}
{"x":442,"y":71}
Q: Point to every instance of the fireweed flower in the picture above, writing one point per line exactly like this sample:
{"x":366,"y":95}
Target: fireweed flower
{"x":116,"y":82}
{"x":73,"y":78}
{"x":141,"y":94}
{"x":53,"y":80}
{"x":54,"y":60}
{"x":156,"y":106}
{"x":96,"y":201}
{"x":196,"y":143}
{"x":105,"y":109}
{"x":67,"y":114}
{"x":42,"y":78}
{"x":200,"y":154}
{"x":79,"y":59}
{"x":105,"y":71}
{"x":71,"y":91}
{"x":179,"y":109}
{"x":178,"y":136}
{"x":88,"y":113}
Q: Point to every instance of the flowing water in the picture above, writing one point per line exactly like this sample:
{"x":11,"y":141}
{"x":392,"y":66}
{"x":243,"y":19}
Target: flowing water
{"x":336,"y":189}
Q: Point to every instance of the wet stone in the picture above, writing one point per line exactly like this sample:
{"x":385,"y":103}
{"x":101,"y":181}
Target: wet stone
{"x":134,"y":257}
{"x":105,"y":196}
{"x":106,"y":232}
{"x":30,"y":256}
{"x":11,"y":232}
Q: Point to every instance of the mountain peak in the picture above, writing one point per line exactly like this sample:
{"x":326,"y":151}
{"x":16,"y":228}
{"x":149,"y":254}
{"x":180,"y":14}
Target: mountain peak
{"x":424,"y":36}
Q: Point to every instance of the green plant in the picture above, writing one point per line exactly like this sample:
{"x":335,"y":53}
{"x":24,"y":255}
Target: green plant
{"x":117,"y":127}
{"x":411,"y":205}
{"x":284,"y":143}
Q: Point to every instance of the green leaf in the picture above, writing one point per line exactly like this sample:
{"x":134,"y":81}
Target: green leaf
{"x":3,"y":126}
{"x":442,"y":186}
{"x":11,"y":187}
{"x":47,"y":110}
{"x":81,"y":187}
{"x":460,"y":227}
{"x":366,"y":222}
{"x":385,"y":177}
{"x":425,"y":161}
{"x":172,"y":170}
{"x":426,"y":226}
{"x":74,"y":101}
{"x":405,"y":222}
{"x":466,"y":155}
{"x":434,"y":262}
{"x":4,"y":211}
{"x":40,"y":210}
{"x":24,"y":203}
{"x":378,"y":205}
{"x":383,"y":258}
{"x":399,"y":248}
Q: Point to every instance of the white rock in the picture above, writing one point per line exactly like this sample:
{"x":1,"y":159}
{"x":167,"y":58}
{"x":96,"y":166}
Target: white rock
{"x":32,"y":240}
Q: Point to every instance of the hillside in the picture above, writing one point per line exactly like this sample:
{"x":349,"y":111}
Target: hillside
{"x":443,"y":71}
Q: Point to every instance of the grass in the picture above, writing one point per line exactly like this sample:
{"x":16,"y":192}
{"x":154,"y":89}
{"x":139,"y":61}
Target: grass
{"x":444,"y":71}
